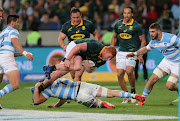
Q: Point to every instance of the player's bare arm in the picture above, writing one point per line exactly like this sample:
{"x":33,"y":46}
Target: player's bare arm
{"x":61,"y":39}
{"x":139,"y":52}
{"x":96,"y":35}
{"x":79,"y":47}
{"x":17,"y":45}
{"x":114,"y":39}
{"x":58,"y":104}
{"x":38,"y":98}
{"x":143,"y":44}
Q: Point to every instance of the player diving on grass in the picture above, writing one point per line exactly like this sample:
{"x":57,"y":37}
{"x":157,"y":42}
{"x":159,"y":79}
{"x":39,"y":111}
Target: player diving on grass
{"x":76,"y":52}
{"x":82,"y":92}
{"x":168,"y":45}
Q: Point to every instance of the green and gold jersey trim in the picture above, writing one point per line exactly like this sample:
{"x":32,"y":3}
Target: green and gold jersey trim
{"x":130,"y":23}
{"x":100,"y":54}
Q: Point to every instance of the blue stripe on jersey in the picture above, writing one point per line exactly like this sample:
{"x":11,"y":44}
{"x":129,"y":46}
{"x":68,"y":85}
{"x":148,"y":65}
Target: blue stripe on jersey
{"x":47,"y":93}
{"x":14,"y":33}
{"x":63,"y":89}
{"x":170,"y":52}
{"x":176,"y":41}
{"x":7,"y":43}
{"x":6,"y":34}
{"x":55,"y":88}
{"x":6,"y":50}
{"x":70,"y":92}
{"x":173,"y":58}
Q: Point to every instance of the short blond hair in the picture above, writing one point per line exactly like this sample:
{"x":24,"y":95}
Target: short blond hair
{"x":1,"y":10}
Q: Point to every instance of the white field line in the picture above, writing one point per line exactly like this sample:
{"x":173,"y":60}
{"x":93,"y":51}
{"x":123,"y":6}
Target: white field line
{"x":34,"y":115}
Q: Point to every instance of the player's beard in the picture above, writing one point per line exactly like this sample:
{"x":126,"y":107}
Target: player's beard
{"x":156,"y":36}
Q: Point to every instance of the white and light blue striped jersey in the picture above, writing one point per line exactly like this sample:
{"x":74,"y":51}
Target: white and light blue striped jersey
{"x":6,"y":35}
{"x":168,"y":46}
{"x":62,"y":89}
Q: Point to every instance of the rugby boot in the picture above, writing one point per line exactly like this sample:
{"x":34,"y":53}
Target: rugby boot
{"x":105,"y":104}
{"x":47,"y":70}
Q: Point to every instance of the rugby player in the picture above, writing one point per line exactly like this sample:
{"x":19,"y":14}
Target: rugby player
{"x":168,"y":45}
{"x":82,"y":92}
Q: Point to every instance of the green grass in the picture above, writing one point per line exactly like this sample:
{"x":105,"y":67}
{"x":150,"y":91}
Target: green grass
{"x":157,"y":103}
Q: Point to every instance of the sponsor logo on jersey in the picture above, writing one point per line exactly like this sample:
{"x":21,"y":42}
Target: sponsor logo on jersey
{"x":125,"y":30}
{"x":125,"y":36}
{"x":83,"y":28}
{"x":131,"y":27}
{"x":120,"y":27}
{"x":70,"y":29}
{"x":77,"y":31}
{"x":77,"y":36}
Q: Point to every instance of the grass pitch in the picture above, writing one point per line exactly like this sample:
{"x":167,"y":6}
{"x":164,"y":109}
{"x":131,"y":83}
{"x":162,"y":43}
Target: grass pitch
{"x":158,"y":102}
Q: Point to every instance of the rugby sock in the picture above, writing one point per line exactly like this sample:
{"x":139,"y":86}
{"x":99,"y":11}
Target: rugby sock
{"x":125,"y":94}
{"x":7,"y":89}
{"x":133,"y":90}
{"x":146,"y":92}
{"x":53,"y":67}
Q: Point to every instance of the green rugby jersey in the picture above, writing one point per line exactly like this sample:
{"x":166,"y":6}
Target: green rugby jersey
{"x":93,"y":52}
{"x":81,"y":31}
{"x":128,"y":35}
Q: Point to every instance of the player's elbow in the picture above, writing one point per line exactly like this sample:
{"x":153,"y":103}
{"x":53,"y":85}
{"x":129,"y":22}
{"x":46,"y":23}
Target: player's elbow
{"x":36,"y":102}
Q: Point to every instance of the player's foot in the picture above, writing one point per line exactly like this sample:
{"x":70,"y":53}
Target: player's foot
{"x":139,"y":97}
{"x":105,"y":104}
{"x":176,"y":100}
{"x":47,"y":70}
{"x":126,"y":100}
{"x":32,"y":90}
{"x":140,"y":103}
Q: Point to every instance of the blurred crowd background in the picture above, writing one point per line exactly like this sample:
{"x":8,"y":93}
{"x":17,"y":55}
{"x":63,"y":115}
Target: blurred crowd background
{"x":52,"y":14}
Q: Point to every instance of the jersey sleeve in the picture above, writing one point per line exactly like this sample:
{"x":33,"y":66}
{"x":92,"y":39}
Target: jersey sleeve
{"x":150,"y":46}
{"x":47,"y":93}
{"x":14,"y":34}
{"x":175,"y":41}
{"x":64,"y":29}
{"x":91,"y":27}
{"x":115,"y":28}
{"x":139,"y":30}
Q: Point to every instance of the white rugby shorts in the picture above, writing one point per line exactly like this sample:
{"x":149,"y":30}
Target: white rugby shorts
{"x":87,"y":94}
{"x":7,"y":63}
{"x":169,"y":66}
{"x":122,"y":61}
{"x":69,"y":48}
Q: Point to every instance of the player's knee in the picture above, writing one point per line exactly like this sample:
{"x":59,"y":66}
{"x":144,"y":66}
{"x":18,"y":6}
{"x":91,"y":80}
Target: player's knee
{"x":170,"y":86}
{"x":129,"y":72}
{"x":158,"y":73}
{"x":119,"y":75}
{"x":171,"y":83}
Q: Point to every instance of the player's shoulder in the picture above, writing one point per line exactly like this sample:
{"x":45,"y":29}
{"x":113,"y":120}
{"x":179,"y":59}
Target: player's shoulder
{"x":67,"y":23}
{"x":87,"y":22}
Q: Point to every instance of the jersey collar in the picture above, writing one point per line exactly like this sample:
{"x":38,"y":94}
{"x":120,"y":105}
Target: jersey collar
{"x":100,"y":54}
{"x":81,"y":23}
{"x":128,"y":23}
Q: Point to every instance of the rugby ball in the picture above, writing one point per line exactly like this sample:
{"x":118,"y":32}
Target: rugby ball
{"x":93,"y":65}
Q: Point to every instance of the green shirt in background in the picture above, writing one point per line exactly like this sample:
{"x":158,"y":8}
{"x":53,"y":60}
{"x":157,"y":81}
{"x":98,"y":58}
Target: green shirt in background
{"x":93,"y":52}
{"x":81,"y":31}
{"x":128,"y":35}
